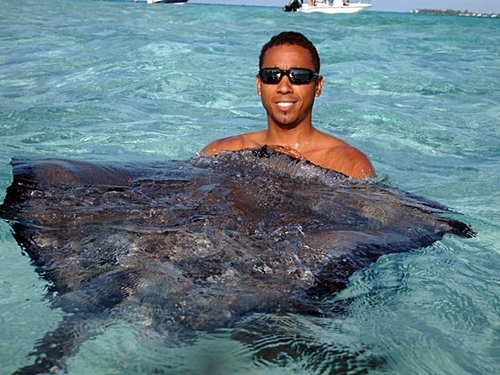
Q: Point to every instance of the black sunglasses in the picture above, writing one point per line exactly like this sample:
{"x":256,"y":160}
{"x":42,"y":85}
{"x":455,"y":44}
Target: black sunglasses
{"x":297,"y":76}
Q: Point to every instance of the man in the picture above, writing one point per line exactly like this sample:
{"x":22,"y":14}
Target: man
{"x":288,"y":82}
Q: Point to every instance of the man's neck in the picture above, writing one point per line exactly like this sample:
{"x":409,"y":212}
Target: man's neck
{"x":299,"y":138}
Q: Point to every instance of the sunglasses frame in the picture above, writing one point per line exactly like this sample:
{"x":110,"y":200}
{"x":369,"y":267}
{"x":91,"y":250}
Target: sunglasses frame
{"x":288,"y":73}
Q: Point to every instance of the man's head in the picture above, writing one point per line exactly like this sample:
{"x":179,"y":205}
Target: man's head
{"x":295,"y":39}
{"x":288,"y":80}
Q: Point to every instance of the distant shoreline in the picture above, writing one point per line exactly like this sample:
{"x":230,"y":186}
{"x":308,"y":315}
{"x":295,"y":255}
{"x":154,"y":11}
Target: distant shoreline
{"x":452,"y":12}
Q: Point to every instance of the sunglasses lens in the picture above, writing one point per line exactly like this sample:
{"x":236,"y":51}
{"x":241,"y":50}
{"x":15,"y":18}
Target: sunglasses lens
{"x":270,"y":75}
{"x":300,"y":76}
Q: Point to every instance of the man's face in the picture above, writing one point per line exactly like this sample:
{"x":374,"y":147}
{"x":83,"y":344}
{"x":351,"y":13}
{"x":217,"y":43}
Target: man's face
{"x":287,"y":105}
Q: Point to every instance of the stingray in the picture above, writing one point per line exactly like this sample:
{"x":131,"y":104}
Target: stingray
{"x":204,"y":243}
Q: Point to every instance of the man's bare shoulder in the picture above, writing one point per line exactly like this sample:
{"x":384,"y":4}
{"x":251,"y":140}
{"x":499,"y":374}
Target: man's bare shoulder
{"x":349,"y":160}
{"x":334,"y":153}
{"x":235,"y":143}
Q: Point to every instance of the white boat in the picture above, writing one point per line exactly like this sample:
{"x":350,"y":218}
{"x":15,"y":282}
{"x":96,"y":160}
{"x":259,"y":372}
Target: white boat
{"x":324,"y":6}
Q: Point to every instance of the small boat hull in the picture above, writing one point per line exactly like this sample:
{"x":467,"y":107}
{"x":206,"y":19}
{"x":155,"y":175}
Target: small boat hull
{"x":167,"y":1}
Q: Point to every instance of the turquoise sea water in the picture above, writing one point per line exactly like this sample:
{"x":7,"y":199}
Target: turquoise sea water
{"x":419,"y":94}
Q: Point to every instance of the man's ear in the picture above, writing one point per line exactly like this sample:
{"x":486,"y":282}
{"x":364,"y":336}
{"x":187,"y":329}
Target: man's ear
{"x":258,"y":84}
{"x":319,"y":86}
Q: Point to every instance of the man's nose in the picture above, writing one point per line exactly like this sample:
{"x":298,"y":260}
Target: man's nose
{"x":284,"y":86}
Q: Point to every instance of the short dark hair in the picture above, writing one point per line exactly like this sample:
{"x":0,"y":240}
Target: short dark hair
{"x":295,"y":39}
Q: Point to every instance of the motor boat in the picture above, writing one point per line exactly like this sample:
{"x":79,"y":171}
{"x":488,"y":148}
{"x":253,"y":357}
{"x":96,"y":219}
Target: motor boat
{"x":324,"y":6}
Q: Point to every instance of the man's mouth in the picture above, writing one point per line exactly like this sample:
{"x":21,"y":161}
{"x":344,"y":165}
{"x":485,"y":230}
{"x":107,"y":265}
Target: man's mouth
{"x":285,"y":105}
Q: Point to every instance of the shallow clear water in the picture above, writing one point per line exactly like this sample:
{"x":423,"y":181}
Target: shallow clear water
{"x":418,"y":94}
